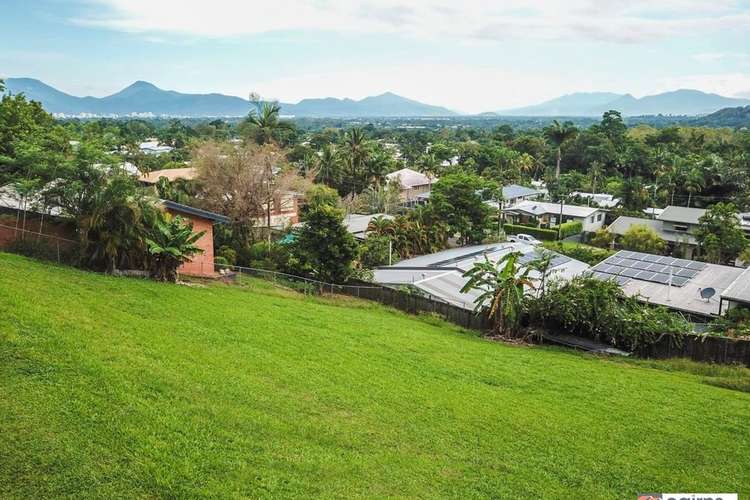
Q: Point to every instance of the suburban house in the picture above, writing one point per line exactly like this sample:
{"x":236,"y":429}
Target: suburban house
{"x":201,"y":264}
{"x":514,"y":194}
{"x":695,"y":288}
{"x":548,"y":214}
{"x":441,"y":275}
{"x":675,"y":225}
{"x":46,"y":222}
{"x":602,"y":200}
{"x":412,"y":184}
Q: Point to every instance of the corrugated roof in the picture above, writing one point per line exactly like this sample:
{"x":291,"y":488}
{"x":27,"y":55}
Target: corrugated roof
{"x":188,"y":173}
{"x":513,"y":191}
{"x":410,"y":178}
{"x":198,"y":212}
{"x":541,"y":207}
{"x":686,"y":215}
{"x":739,"y":290}
{"x":623,"y":223}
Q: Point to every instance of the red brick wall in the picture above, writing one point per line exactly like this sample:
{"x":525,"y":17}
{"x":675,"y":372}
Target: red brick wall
{"x":201,"y":264}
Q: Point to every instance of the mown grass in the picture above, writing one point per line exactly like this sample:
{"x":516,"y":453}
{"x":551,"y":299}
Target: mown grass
{"x":113,"y":387}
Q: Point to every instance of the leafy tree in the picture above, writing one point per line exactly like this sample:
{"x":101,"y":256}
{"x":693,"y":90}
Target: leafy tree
{"x":319,"y":195}
{"x":171,"y":241}
{"x":329,"y":166}
{"x":720,"y":234}
{"x":641,"y":238}
{"x":558,"y":134}
{"x":457,"y":201}
{"x":373,"y":252}
{"x":325,"y":246}
{"x":602,"y":238}
{"x":265,"y":126}
{"x":501,"y":286}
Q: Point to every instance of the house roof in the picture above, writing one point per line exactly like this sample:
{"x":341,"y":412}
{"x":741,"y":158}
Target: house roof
{"x":687,"y":297}
{"x":623,"y":223}
{"x":538,"y":208}
{"x":410,"y":178}
{"x":357,"y":224}
{"x":603,"y":200}
{"x":172,"y":174}
{"x":441,"y":274}
{"x":513,"y":191}
{"x":684,"y":215}
{"x":195,"y":212}
{"x":739,"y":290}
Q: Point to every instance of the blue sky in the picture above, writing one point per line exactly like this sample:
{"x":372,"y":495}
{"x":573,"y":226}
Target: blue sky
{"x":471,"y":56}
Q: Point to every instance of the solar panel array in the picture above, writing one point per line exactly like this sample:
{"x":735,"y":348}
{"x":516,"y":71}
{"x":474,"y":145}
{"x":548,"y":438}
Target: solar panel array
{"x":626,"y":265}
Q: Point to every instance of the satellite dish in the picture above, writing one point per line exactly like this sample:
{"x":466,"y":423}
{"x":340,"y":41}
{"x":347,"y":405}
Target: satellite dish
{"x":707,"y":293}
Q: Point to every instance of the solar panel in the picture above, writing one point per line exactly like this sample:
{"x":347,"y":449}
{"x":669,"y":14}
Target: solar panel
{"x":646,"y":267}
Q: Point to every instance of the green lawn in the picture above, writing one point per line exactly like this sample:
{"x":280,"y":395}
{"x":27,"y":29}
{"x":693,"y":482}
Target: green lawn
{"x":113,"y":387}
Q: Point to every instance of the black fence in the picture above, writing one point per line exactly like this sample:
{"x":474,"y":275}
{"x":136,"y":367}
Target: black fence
{"x":708,"y":348}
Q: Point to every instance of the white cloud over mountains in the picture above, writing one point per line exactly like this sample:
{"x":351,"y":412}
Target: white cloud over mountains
{"x":610,"y":21}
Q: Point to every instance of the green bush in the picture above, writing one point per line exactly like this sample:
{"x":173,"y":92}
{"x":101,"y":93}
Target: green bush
{"x":539,"y":233}
{"x":570,"y":228}
{"x":600,"y":310}
{"x":585,"y":253}
{"x":228,"y":254}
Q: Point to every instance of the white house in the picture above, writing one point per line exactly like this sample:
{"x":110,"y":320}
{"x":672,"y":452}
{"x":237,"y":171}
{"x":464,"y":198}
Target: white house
{"x":412,"y":183}
{"x":551,"y":214}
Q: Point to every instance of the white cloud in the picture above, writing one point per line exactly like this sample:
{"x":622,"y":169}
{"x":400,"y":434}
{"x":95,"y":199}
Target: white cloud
{"x":622,"y":22}
{"x":710,"y":57}
{"x":726,"y":84}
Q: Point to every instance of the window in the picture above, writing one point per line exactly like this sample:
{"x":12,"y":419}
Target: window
{"x":680,"y":227}
{"x":591,"y":219}
{"x":599,"y":217}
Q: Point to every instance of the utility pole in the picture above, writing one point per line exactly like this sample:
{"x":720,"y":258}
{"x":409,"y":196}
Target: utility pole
{"x":559,"y":222}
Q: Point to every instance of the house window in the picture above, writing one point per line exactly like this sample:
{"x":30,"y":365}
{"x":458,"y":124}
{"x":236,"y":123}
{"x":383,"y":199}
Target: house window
{"x":591,"y":219}
{"x":680,"y":227}
{"x":598,"y":217}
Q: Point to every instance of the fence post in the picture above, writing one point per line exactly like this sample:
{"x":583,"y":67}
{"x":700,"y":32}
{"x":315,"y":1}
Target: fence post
{"x":58,"y":251}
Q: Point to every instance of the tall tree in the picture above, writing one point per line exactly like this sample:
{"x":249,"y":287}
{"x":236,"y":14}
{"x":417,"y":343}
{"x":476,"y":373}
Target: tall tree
{"x":720,"y":234}
{"x":558,"y":134}
{"x":325,"y":246}
{"x":264,"y":124}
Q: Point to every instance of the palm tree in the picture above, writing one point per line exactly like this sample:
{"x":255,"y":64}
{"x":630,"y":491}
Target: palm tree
{"x":329,"y":166}
{"x":692,"y":182}
{"x":595,"y":171}
{"x":357,"y":153}
{"x":265,"y":123}
{"x":501,"y":288}
{"x":380,"y":226}
{"x":559,"y":133}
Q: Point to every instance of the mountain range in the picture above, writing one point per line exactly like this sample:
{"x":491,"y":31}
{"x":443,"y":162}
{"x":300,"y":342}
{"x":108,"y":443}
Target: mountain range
{"x":145,"y":98}
{"x":678,"y":102}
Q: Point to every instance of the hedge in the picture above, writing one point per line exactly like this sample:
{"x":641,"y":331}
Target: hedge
{"x":570,"y":228}
{"x":537,"y":232}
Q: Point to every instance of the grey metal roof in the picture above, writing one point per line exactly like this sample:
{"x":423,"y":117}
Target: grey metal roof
{"x":739,"y":290}
{"x":179,"y":207}
{"x":357,"y":224}
{"x":441,"y":274}
{"x":685,"y":215}
{"x":621,"y":225}
{"x":514,"y":191}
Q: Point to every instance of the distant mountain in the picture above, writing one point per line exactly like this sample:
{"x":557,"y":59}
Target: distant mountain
{"x":143,"y":97}
{"x":388,"y":104}
{"x":678,"y":102}
{"x":727,"y":117}
{"x":567,"y":105}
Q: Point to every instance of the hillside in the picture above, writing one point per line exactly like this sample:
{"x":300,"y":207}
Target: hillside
{"x":678,"y":102}
{"x":727,"y":117}
{"x":114,"y":387}
{"x":143,"y":97}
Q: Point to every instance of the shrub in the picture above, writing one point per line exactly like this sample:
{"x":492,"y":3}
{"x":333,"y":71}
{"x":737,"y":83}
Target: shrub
{"x":601,"y":311}
{"x":570,"y":228}
{"x":542,"y":234}
{"x":585,"y":253}
{"x":641,"y":238}
{"x":228,"y":254}
{"x":602,"y":239}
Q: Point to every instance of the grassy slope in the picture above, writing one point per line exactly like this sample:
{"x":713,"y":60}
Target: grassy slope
{"x":112,"y":387}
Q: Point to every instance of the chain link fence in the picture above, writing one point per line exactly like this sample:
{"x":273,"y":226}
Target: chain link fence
{"x":38,"y":245}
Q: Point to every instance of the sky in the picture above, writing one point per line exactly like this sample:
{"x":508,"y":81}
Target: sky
{"x":470,"y":55}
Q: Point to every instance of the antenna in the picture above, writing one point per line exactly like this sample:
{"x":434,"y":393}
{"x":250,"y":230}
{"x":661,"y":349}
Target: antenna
{"x":707,"y":293}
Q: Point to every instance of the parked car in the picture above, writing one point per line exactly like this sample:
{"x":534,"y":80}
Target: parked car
{"x":524,"y":238}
